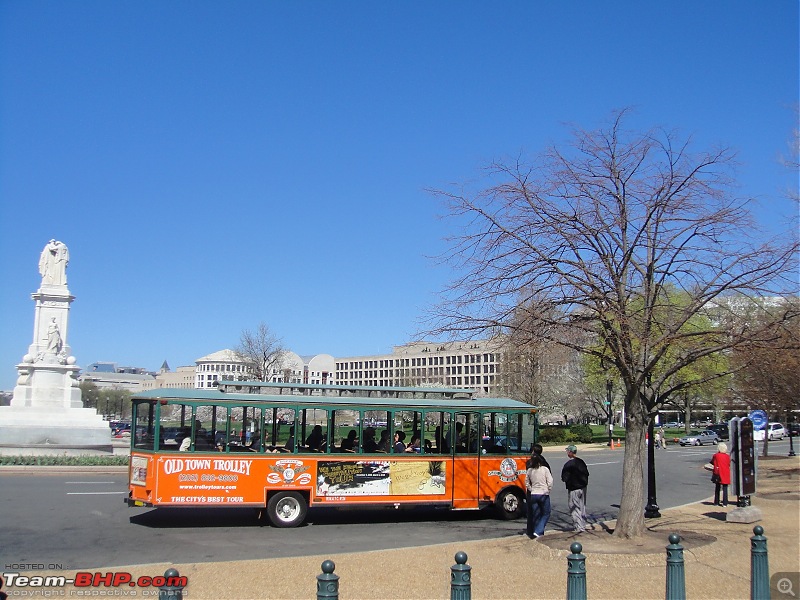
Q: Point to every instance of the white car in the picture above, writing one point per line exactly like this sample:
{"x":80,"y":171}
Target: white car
{"x":774,"y":430}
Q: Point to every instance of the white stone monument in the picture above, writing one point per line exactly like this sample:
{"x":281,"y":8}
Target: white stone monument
{"x":46,"y":410}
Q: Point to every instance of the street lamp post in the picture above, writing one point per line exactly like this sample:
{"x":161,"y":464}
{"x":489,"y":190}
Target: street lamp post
{"x":789,"y":422}
{"x":651,"y":510}
{"x":609,"y":385}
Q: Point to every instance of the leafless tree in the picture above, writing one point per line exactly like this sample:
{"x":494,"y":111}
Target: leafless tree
{"x":549,"y":377}
{"x":262,"y":351}
{"x":792,"y":160}
{"x":590,"y":237}
{"x":767,"y":375}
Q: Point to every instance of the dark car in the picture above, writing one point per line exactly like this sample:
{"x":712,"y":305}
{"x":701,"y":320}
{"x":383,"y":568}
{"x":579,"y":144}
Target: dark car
{"x":721,"y":429}
{"x":118,"y":427}
{"x":793,"y":429}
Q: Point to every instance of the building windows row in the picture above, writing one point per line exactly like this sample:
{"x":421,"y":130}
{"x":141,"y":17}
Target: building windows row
{"x":422,"y":361}
{"x":230,"y":367}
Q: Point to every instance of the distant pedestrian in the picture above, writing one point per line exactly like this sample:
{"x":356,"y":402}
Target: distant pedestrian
{"x":657,"y":438}
{"x":538,"y":484}
{"x":575,"y":475}
{"x":663,"y":438}
{"x":721,"y":475}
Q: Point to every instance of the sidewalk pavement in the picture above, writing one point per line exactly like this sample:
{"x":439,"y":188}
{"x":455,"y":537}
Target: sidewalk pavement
{"x":717,"y":559}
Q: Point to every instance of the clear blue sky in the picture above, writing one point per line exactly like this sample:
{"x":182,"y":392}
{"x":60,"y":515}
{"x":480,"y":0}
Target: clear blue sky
{"x":212,"y":165}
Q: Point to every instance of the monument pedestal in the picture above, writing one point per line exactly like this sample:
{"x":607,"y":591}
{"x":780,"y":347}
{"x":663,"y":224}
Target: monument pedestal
{"x":46,"y":412}
{"x":30,"y":428}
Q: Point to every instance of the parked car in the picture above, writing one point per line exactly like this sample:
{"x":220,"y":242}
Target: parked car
{"x":721,"y":429}
{"x":169,"y":435}
{"x":118,"y":427}
{"x":793,"y":429}
{"x":775,"y":431}
{"x":698,"y":439}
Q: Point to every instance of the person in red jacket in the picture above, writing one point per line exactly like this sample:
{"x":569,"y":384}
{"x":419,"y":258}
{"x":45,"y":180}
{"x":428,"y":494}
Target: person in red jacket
{"x":721,"y":475}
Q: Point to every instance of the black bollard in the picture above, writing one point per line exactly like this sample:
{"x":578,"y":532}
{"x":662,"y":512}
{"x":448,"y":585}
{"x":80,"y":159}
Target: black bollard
{"x":576,"y":573}
{"x":170,"y":592}
{"x":460,"y":578}
{"x":327,"y":582}
{"x":676,"y":576}
{"x":759,"y":566}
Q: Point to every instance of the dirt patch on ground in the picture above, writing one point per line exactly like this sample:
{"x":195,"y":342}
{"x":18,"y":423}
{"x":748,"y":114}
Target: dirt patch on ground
{"x":601,"y":541}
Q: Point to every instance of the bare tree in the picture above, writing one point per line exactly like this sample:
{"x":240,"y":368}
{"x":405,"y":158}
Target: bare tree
{"x":792,"y":160}
{"x":262,"y":351}
{"x":767,"y":375}
{"x":590,"y":237}
{"x":549,"y":377}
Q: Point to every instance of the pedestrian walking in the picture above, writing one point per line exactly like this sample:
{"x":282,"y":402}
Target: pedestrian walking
{"x":538,"y":484}
{"x":575,"y":475}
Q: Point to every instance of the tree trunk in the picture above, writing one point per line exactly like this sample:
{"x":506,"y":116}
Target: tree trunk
{"x":630,"y":522}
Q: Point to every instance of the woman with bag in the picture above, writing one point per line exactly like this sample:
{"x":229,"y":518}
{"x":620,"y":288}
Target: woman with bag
{"x":538,"y":484}
{"x":721,"y":474}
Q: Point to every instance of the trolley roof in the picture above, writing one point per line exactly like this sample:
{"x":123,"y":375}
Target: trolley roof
{"x":406,"y":397}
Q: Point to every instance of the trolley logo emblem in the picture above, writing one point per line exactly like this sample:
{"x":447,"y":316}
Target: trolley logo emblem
{"x":508,"y":470}
{"x":289,"y":471}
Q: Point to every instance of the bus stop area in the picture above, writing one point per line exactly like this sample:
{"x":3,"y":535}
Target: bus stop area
{"x":717,"y":559}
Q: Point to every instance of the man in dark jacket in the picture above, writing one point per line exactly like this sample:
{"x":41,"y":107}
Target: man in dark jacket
{"x":575,"y":476}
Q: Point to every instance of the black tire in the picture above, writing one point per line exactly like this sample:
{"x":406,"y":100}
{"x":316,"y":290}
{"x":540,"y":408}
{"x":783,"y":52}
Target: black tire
{"x":509,"y":504}
{"x":287,"y":509}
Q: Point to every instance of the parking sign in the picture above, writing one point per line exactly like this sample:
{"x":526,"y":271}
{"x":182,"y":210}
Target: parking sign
{"x":759,"y":419}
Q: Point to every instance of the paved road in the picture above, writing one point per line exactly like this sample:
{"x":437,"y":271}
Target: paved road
{"x":78,"y":520}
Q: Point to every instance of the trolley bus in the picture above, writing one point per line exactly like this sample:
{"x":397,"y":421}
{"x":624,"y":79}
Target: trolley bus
{"x":284,"y":448}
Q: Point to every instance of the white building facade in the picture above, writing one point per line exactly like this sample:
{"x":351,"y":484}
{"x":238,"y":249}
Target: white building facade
{"x":227,"y":365}
{"x":472,"y":365}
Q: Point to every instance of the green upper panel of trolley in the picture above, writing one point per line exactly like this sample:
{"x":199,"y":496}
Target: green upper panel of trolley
{"x":310,"y":395}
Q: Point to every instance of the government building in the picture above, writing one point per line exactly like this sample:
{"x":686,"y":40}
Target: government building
{"x":472,"y":365}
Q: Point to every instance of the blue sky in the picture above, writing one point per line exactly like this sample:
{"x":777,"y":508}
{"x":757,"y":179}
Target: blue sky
{"x":212,"y":165}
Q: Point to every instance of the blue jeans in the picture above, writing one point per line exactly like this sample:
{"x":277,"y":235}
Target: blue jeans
{"x":538,"y":513}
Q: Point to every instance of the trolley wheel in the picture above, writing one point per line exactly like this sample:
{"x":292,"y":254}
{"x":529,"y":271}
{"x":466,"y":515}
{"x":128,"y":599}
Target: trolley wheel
{"x":287,"y":509}
{"x":509,"y":504}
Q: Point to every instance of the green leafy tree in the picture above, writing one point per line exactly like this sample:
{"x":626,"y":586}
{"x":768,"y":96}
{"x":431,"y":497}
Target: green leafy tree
{"x":90,"y":394}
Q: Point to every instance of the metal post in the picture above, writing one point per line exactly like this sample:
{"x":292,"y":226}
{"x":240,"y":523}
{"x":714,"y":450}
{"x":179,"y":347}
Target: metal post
{"x":759,"y":566}
{"x":676,"y":577}
{"x":609,"y":385}
{"x":460,"y":578}
{"x":789,"y":422}
{"x":170,"y":592}
{"x":576,"y":573}
{"x":327,"y":582}
{"x":651,"y":510}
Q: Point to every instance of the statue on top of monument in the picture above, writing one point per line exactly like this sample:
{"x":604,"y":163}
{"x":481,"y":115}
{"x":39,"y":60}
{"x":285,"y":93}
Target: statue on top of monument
{"x":53,"y":263}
